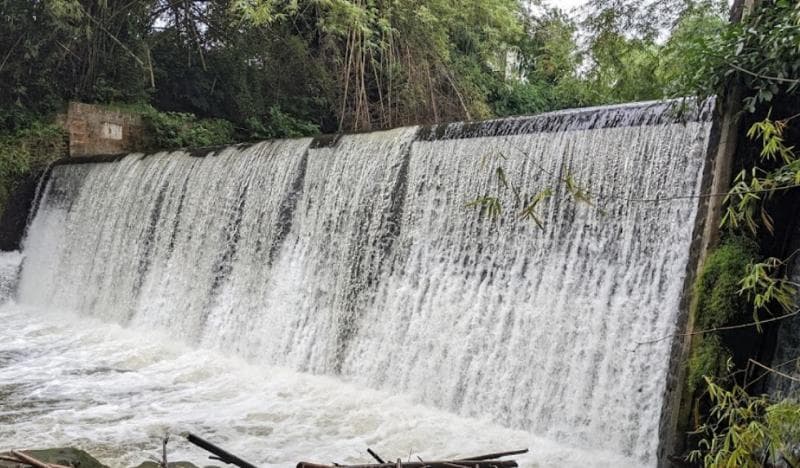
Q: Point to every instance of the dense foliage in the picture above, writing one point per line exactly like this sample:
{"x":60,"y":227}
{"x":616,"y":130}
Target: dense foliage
{"x":27,"y":149}
{"x":336,"y":64}
{"x":748,"y":431}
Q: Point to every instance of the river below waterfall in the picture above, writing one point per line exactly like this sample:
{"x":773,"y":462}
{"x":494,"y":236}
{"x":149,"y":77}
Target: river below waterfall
{"x":67,"y":379}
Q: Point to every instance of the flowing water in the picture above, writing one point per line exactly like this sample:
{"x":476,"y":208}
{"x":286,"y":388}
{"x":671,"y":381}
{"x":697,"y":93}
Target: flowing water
{"x":307,"y":299}
{"x":10,"y":263}
{"x":69,"y":380}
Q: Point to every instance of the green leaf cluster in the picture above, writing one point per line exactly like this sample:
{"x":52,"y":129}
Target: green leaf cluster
{"x":759,"y":54}
{"x":168,"y":130}
{"x":747,"y":431}
{"x":25,"y":150}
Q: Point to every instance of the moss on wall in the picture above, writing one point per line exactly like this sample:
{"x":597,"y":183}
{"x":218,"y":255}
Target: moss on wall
{"x":716,"y":302}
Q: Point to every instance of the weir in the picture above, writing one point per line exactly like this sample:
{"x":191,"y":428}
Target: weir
{"x":359,"y":257}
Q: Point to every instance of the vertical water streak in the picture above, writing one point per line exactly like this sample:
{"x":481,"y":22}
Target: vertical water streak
{"x":10,"y":263}
{"x":334,"y":253}
{"x":151,"y":240}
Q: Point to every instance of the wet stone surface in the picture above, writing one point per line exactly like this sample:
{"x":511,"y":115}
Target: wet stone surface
{"x":66,"y":456}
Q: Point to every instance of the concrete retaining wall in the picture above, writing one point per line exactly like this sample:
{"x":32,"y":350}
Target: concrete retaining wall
{"x":97,"y":130}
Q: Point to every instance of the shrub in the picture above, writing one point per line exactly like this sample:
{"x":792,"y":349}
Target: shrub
{"x":279,"y":125}
{"x":28,"y":149}
{"x":169,"y":130}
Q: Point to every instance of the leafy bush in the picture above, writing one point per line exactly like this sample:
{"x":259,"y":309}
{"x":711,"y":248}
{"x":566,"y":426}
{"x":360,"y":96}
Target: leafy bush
{"x":748,"y":431}
{"x":279,"y":125}
{"x":25,"y":150}
{"x":169,"y":130}
{"x":759,"y":54}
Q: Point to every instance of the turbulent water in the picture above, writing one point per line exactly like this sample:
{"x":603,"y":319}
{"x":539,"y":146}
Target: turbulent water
{"x":368,"y":302}
{"x":69,"y":380}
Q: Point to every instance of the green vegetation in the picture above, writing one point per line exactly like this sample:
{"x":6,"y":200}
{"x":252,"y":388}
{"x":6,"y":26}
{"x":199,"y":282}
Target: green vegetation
{"x":178,"y":129}
{"x":29,"y":149}
{"x":288,"y":68}
{"x":709,"y":358}
{"x":717,"y":291}
{"x":747,"y":431}
{"x":717,"y":302}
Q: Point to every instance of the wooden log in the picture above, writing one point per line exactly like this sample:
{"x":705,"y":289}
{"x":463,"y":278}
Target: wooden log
{"x":375,"y":456}
{"x":493,"y":456}
{"x":453,"y":465}
{"x":29,"y":460}
{"x":221,"y":454}
{"x":424,"y":464}
{"x":481,"y":461}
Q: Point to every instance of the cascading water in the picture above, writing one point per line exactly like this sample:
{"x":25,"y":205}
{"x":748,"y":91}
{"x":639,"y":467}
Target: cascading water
{"x":360,"y":258}
{"x":9,"y":274}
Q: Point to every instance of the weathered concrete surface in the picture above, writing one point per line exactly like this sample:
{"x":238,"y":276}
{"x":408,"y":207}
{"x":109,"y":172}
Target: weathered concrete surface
{"x":66,"y":456}
{"x":96,"y":129}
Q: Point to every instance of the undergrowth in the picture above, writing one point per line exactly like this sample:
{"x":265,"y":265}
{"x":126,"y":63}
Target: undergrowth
{"x":25,"y":150}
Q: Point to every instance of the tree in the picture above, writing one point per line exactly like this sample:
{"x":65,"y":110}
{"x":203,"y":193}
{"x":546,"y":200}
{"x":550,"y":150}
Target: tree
{"x":66,"y":49}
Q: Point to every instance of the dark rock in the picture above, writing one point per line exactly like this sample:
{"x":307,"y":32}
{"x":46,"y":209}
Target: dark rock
{"x":177,"y":464}
{"x":66,"y":456}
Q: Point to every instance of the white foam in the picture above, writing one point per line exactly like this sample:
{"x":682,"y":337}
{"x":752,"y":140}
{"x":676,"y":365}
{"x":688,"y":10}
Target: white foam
{"x":70,"y":380}
{"x":10,"y":263}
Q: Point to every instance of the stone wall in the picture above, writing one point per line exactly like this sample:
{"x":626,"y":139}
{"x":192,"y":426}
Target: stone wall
{"x":97,"y":130}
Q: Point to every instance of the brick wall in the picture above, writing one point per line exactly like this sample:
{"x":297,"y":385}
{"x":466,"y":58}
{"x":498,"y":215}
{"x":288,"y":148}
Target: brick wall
{"x":97,"y":130}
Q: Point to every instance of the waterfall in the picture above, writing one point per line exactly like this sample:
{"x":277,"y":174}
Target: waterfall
{"x":360,"y":257}
{"x":10,"y":263}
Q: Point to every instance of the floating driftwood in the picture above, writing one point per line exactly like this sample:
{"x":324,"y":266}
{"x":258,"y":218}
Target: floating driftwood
{"x":219,"y":454}
{"x":25,"y":459}
{"x":424,"y":464}
{"x":489,"y":460}
{"x":481,"y":461}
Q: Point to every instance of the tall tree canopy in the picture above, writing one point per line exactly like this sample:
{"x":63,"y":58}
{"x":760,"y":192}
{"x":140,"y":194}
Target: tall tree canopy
{"x":280,"y":68}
